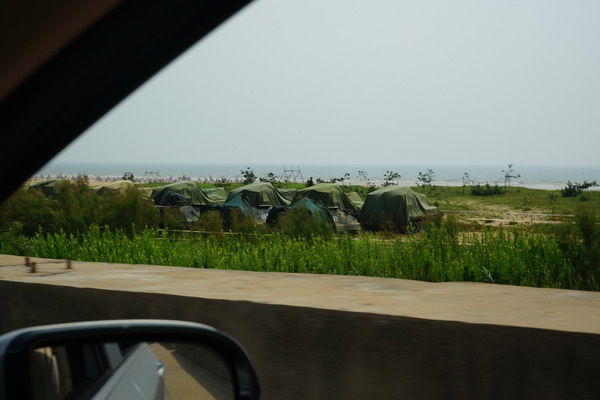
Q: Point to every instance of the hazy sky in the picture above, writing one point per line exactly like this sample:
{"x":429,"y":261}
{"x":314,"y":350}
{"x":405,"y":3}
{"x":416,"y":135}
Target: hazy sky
{"x":396,"y":82}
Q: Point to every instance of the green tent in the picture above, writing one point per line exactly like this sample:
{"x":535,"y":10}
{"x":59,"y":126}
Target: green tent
{"x":218,"y":195}
{"x":48,"y":187}
{"x":331,"y":195}
{"x":356,"y":199}
{"x":394,"y":204}
{"x":260,"y":194}
{"x":186,"y":193}
{"x":239,"y":202}
{"x":288,"y":193}
{"x":113,"y":187}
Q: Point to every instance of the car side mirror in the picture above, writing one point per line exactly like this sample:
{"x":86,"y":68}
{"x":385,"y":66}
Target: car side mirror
{"x":141,"y":359}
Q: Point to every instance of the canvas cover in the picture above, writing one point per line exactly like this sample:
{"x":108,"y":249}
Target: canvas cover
{"x":356,"y":199}
{"x":260,"y":194}
{"x":331,"y":195}
{"x":146,"y":192}
{"x":113,"y":187}
{"x":218,"y":195}
{"x":288,"y":193}
{"x":239,"y":202}
{"x":186,"y":193}
{"x":396,"y":204}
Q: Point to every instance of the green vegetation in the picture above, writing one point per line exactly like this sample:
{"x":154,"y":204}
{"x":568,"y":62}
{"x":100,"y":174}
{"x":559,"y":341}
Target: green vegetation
{"x":543,"y":201}
{"x":575,"y":189}
{"x":439,"y":254}
{"x":74,"y":208}
{"x":486,"y":190}
{"x":562,"y":251}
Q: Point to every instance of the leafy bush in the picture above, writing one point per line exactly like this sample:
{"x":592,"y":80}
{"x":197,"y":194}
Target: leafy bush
{"x":210,"y":221}
{"x":242,"y":223}
{"x":486,"y":190}
{"x":74,"y":208}
{"x":248,"y":175}
{"x":128,"y":209}
{"x":574,"y":189}
{"x":301,"y":223}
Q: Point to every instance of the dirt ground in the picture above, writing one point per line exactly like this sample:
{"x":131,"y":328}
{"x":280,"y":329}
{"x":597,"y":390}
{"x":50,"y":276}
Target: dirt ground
{"x":496,"y":215}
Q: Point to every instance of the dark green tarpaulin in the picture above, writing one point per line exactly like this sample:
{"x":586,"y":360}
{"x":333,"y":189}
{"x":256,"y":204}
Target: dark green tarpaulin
{"x":167,"y":195}
{"x":239,"y":202}
{"x":317,"y":210}
{"x":394,"y":204}
{"x":331,"y":195}
{"x":217,"y":195}
{"x":260,"y":194}
{"x":356,"y":199}
{"x":288,"y":193}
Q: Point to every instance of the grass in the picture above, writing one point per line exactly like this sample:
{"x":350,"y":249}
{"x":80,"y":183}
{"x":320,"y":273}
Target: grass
{"x":439,"y":254}
{"x":562,"y":255}
{"x":517,"y":198}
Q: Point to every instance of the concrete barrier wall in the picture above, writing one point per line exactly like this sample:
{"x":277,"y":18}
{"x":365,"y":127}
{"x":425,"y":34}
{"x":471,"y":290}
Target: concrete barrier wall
{"x":307,"y":353}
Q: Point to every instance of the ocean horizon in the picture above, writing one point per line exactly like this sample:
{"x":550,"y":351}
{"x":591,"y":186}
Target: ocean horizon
{"x":537,"y":177}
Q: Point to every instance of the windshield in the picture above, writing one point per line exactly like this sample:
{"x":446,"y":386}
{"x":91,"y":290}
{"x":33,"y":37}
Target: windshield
{"x":374,"y":196}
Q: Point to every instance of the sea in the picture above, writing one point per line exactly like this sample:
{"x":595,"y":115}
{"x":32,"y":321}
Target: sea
{"x":536,"y":177}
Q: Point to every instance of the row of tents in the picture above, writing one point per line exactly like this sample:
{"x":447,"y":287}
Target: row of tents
{"x":262,"y":201}
{"x":346,"y":211}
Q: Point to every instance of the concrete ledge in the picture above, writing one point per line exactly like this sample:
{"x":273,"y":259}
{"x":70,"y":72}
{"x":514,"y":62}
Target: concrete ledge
{"x":306,"y":352}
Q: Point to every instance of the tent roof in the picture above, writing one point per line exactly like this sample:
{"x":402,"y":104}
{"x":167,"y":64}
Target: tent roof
{"x":192,"y":193}
{"x":120,"y":186}
{"x":396,"y":204}
{"x":288,"y":193}
{"x":331,"y":195}
{"x":356,"y":199}
{"x":239,"y":201}
{"x":260,"y":194}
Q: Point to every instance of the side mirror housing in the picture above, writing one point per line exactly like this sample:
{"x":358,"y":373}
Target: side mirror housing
{"x":116,"y":359}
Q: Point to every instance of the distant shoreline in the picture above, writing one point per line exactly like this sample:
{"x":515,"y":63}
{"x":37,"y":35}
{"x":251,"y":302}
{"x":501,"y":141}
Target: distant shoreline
{"x":95,"y":181}
{"x":533,"y":177}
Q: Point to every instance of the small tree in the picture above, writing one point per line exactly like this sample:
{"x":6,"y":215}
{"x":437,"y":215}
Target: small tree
{"x":466,"y":181}
{"x":271,"y":178}
{"x":574,"y":189}
{"x":222,"y":182}
{"x":363,"y":176}
{"x":426,"y":179}
{"x":509,"y":174}
{"x":391,"y":178}
{"x":342,"y":179}
{"x":248,"y":175}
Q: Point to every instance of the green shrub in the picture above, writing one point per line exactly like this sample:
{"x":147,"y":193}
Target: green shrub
{"x":74,"y":208}
{"x":210,"y":221}
{"x":128,"y":209}
{"x":301,"y":223}
{"x":486,"y":190}
{"x":574,"y":189}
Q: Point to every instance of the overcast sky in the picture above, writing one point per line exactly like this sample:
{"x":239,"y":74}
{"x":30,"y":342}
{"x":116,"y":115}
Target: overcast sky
{"x":396,"y":82}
